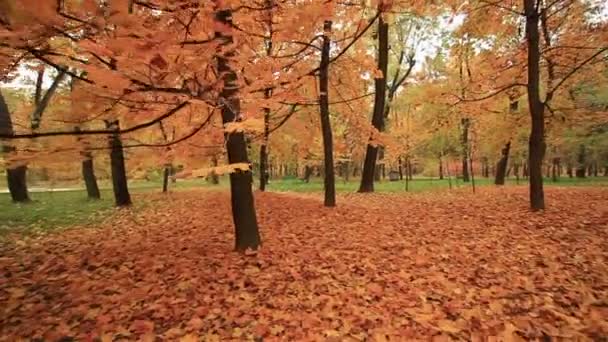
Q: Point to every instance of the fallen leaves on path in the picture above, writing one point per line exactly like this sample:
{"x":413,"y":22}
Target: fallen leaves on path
{"x":447,"y":265}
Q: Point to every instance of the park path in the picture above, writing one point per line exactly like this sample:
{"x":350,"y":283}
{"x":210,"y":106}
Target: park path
{"x":444,"y":265}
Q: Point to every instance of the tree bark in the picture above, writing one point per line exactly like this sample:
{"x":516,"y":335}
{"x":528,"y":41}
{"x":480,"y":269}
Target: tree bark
{"x":247,"y":235}
{"x":328,"y":148}
{"x":465,"y":123}
{"x":88,"y":175}
{"x":555,"y":170}
{"x":166,"y":172}
{"x":400,"y":168}
{"x":119,"y":172}
{"x":440,"y":168}
{"x":501,"y":166}
{"x":581,"y":162}
{"x":307,"y":173}
{"x":15,"y":175}
{"x":537,"y":145}
{"x":371,"y":154}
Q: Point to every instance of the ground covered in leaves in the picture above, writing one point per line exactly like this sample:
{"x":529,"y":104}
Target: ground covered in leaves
{"x":447,"y":265}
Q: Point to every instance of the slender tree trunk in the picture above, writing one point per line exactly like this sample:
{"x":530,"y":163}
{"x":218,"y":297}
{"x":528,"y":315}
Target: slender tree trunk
{"x":264,"y":161}
{"x":555,"y":169}
{"x":501,"y":166}
{"x":537,"y":145}
{"x":465,"y":123}
{"x":371,"y":154}
{"x":166,"y":172}
{"x":117,"y":163}
{"x":88,"y":174}
{"x":247,"y":235}
{"x":595,"y":169}
{"x":15,"y":175}
{"x":267,"y":95}
{"x":525,"y":171}
{"x":307,"y":173}
{"x":440,"y":168}
{"x":582,"y":161}
{"x":328,"y":144}
{"x":399,"y":160}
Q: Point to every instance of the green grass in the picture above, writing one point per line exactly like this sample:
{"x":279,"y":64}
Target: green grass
{"x":418,"y":184}
{"x":51,"y":210}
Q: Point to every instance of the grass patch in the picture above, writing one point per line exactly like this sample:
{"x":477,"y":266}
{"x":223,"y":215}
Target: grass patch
{"x":419,"y":184}
{"x":52,"y":210}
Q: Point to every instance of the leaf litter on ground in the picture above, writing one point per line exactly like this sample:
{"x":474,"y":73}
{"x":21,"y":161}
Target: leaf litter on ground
{"x":442,"y":265}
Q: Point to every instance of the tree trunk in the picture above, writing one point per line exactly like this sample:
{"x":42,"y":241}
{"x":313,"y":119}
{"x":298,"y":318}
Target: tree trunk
{"x":117,"y":163}
{"x":88,"y":174}
{"x":17,"y":184}
{"x":501,"y":166}
{"x":15,"y":175}
{"x":516,"y":172}
{"x":465,"y":123}
{"x":371,"y":154}
{"x":537,"y":145}
{"x":595,"y":169}
{"x":307,"y":173}
{"x":400,"y":168}
{"x":247,"y":235}
{"x":263,"y":165}
{"x":555,"y":169}
{"x":440,"y":168}
{"x":328,"y":148}
{"x":581,"y":159}
{"x":166,"y":172}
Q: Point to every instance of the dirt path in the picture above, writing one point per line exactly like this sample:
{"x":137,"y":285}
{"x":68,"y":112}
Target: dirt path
{"x":449,"y":265}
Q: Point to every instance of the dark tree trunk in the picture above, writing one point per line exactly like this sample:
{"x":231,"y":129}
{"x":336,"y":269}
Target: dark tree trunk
{"x":440,"y":168}
{"x":166,"y":172}
{"x":400,"y":168}
{"x":307,"y":173}
{"x":371,"y":154}
{"x":525,"y":171}
{"x":555,"y":169}
{"x":263,"y":165}
{"x":119,"y":172}
{"x":465,"y":123}
{"x":247,"y":235}
{"x":328,"y":144}
{"x":88,"y":174}
{"x":501,"y":166}
{"x":17,"y":184}
{"x":485,"y":167}
{"x":537,"y":145}
{"x":516,"y":172}
{"x":569,"y":170}
{"x":595,"y":169}
{"x":15,"y":175}
{"x":582,"y":160}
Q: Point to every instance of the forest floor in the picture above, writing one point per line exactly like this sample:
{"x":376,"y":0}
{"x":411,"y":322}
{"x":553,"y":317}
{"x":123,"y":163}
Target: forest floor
{"x":449,"y":265}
